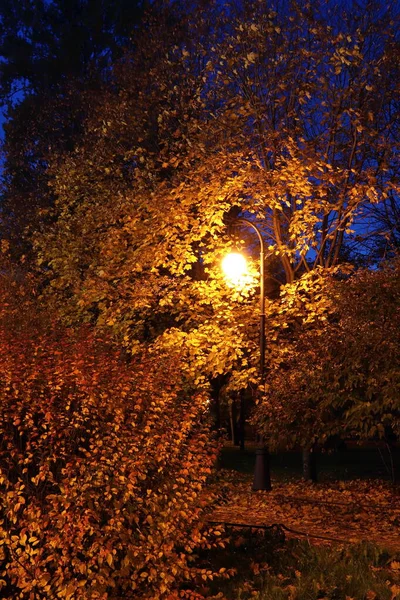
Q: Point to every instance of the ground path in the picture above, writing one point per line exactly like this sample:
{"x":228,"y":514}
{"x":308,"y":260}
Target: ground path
{"x":353,"y":511}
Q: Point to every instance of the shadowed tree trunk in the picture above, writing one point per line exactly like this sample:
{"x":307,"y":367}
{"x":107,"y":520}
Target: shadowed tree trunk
{"x":310,"y":464}
{"x":233,"y":423}
{"x":394,"y":457}
{"x":216,"y":386}
{"x":242,"y":419}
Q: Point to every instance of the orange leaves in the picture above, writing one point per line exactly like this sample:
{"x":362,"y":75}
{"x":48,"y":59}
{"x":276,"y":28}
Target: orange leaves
{"x":107,"y":462}
{"x":340,"y":512}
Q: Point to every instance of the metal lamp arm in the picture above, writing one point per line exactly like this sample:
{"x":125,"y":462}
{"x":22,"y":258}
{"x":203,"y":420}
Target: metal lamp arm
{"x":262,"y":294}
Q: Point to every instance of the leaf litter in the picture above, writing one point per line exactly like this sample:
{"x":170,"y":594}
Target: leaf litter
{"x":341,"y":512}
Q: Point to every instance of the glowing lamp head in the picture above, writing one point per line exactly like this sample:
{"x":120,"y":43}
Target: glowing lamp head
{"x":234,"y":266}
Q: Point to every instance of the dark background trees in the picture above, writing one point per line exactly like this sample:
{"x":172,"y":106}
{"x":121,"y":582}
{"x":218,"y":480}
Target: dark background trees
{"x":53,"y":53}
{"x":337,"y":378}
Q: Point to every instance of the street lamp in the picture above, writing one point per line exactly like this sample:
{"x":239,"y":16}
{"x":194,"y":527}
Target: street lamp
{"x":234,"y":269}
{"x":234,"y":266}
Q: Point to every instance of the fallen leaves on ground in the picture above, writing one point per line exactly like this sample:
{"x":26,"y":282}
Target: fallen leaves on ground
{"x":353,"y":511}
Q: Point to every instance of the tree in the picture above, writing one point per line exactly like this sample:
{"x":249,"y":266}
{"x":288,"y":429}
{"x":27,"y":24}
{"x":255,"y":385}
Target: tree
{"x":339,"y":377}
{"x":209,"y":122}
{"x":52,"y":52}
{"x":127,"y":245}
{"x":292,"y":413}
{"x":363,"y":370}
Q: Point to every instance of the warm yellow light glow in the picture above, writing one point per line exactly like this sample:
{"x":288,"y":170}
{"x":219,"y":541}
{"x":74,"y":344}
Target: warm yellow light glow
{"x":234,"y":266}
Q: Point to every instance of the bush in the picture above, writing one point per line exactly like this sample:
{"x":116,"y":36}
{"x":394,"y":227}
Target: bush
{"x":103,"y":465}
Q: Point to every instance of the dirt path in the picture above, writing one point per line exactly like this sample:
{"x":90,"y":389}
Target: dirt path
{"x":324,"y":513}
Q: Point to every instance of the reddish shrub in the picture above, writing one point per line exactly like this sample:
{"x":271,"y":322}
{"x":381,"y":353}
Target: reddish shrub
{"x":103,"y":465}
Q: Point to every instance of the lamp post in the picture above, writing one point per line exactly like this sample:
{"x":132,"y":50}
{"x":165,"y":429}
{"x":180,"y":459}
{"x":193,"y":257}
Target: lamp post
{"x":262,"y":478}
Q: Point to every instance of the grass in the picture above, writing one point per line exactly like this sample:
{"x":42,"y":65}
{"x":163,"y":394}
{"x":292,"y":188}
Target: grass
{"x":269,"y":568}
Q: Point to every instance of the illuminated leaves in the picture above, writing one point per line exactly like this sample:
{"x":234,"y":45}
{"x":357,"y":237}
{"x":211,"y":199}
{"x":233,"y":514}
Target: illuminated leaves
{"x":333,"y":367}
{"x":249,"y":114}
{"x":103,"y":465}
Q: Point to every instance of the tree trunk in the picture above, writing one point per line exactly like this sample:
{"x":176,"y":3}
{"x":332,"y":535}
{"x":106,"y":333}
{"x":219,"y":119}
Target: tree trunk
{"x":310,"y":465}
{"x":216,"y":385}
{"x":262,"y":470}
{"x":242,"y":419}
{"x":234,"y":427}
{"x":394,"y":457}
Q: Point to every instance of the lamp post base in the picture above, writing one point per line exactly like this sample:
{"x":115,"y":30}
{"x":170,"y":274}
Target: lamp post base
{"x":262,"y":478}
